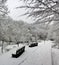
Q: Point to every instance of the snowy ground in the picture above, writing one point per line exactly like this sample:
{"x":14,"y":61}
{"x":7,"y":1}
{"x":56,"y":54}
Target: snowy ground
{"x":40,"y":55}
{"x":32,"y":56}
{"x":55,"y":56}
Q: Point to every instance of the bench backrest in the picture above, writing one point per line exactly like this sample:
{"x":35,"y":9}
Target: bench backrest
{"x":20,"y":50}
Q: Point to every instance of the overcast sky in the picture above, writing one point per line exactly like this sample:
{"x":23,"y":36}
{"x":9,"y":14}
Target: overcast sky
{"x":15,"y":13}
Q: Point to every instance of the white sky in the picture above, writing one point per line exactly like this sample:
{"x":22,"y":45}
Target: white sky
{"x":15,"y":13}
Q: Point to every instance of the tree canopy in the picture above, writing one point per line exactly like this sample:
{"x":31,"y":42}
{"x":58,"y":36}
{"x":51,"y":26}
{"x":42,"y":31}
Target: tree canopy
{"x":3,"y":8}
{"x":42,"y":10}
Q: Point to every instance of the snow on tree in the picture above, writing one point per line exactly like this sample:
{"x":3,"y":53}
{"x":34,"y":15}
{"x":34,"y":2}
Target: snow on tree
{"x":42,"y":10}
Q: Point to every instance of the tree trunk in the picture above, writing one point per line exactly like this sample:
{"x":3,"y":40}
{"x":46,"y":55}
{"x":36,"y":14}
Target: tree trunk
{"x":2,"y":46}
{"x":44,"y":41}
{"x":18,"y":44}
{"x":9,"y":43}
{"x":36,"y":37}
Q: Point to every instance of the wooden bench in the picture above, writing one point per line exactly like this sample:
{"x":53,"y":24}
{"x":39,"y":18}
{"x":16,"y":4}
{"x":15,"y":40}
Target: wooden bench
{"x":33,"y":44}
{"x":18,"y":52}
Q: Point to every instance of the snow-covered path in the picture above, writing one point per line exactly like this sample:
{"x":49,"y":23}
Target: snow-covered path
{"x":40,"y":55}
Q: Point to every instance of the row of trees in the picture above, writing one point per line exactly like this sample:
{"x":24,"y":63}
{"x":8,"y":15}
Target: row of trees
{"x":18,"y":31}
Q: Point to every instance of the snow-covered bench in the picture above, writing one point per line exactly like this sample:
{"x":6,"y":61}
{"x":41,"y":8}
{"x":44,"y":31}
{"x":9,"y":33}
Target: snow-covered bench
{"x":33,"y":44}
{"x":18,"y":52}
